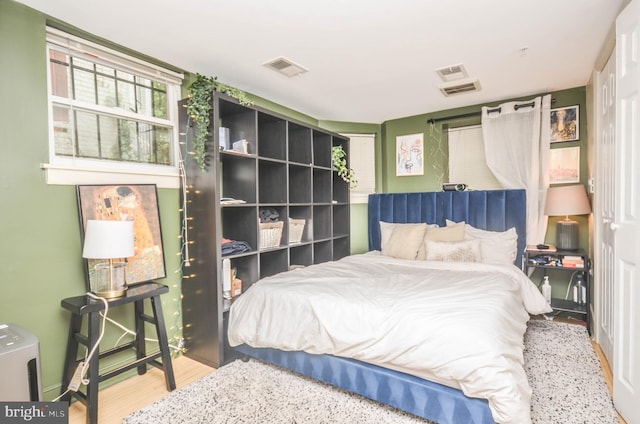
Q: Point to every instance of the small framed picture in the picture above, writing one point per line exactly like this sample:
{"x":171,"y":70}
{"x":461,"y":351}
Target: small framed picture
{"x":565,"y":124}
{"x":410,"y":155}
{"x":564,"y":165}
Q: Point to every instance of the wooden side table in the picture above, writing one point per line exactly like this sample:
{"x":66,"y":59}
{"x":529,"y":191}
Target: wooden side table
{"x":81,"y":306}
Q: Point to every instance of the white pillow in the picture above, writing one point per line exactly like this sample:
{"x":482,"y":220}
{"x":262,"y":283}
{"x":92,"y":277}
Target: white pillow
{"x":404,"y":241}
{"x":386,"y":229}
{"x":435,"y":233}
{"x":496,"y":247}
{"x":453,"y":251}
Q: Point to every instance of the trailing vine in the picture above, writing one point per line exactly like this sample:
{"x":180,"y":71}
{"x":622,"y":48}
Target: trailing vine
{"x":339,"y":159}
{"x":199,"y":108}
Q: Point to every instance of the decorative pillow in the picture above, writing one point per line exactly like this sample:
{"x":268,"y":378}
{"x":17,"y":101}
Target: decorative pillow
{"x":386,"y":228}
{"x":453,"y":232}
{"x":450,"y":233}
{"x":404,"y":241}
{"x":453,"y":251}
{"x":497,"y":247}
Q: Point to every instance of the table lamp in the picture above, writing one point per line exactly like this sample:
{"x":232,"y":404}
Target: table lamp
{"x":567,"y":200}
{"x":112,"y":240}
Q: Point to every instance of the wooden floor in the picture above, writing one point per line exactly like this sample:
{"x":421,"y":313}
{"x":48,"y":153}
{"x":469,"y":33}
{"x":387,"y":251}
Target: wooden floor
{"x":120,"y":400}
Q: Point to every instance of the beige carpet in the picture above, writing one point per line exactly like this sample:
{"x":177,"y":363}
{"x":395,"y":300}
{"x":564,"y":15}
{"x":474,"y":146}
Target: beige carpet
{"x":564,"y":373}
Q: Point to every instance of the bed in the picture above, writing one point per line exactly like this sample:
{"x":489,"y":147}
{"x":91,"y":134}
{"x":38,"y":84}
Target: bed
{"x":438,"y":337}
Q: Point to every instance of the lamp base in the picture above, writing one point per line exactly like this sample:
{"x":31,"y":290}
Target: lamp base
{"x":567,"y":235}
{"x":108,"y":281}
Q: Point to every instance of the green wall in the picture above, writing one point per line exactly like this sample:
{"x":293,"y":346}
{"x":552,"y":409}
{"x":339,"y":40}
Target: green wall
{"x":40,"y":252}
{"x":431,"y":180}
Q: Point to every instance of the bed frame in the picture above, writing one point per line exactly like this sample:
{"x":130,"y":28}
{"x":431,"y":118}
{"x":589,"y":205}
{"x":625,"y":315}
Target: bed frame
{"x":495,"y":210}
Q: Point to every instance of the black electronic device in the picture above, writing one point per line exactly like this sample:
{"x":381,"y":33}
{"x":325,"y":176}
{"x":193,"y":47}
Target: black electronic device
{"x":542,"y":246}
{"x":454,"y":187}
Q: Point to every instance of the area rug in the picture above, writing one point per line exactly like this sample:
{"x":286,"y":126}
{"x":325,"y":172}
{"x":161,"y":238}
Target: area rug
{"x":563,"y":370}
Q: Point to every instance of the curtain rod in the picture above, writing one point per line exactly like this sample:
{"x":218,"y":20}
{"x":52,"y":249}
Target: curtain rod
{"x":469,"y":115}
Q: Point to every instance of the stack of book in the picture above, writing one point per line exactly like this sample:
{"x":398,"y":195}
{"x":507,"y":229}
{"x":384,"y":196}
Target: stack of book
{"x":569,"y":261}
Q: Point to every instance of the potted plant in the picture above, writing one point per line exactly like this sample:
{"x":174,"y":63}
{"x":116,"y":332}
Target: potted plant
{"x":199,"y":109}
{"x":339,"y":159}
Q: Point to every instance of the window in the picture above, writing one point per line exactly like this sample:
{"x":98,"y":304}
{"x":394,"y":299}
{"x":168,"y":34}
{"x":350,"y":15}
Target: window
{"x":362,"y":161}
{"x":467,"y":163}
{"x":109,"y":113}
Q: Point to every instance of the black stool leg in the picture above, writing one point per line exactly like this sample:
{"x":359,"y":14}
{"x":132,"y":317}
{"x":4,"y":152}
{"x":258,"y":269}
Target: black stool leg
{"x":163,"y":342}
{"x":141,"y":348}
{"x":71,"y":355}
{"x":94,"y":368}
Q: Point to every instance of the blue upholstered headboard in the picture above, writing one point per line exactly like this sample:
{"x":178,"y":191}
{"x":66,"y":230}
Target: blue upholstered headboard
{"x":493,"y":210}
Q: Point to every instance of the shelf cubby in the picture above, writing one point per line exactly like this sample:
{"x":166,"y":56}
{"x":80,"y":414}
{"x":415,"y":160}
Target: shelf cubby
{"x":238,"y":176}
{"x":272,"y":182}
{"x":241,"y":121}
{"x":272,"y":137}
{"x":300,"y":144}
{"x":239,"y":223}
{"x":322,"y":252}
{"x":301,"y":255}
{"x":321,"y":149}
{"x":322,"y":185}
{"x":303,"y":212}
{"x":341,"y":247}
{"x":299,"y":184}
{"x":246,"y":269}
{"x":273,"y":262}
{"x":340,"y":220}
{"x":321,"y":222}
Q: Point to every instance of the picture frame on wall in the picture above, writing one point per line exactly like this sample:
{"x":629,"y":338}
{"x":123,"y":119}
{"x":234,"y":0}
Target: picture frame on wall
{"x":565,"y":124}
{"x":410,"y":155}
{"x":137,"y":203}
{"x":564,"y":165}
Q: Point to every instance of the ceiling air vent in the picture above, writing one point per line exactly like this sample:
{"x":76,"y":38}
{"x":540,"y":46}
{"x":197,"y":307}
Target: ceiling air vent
{"x":452,"y":73}
{"x":460,"y":87}
{"x":286,"y":67}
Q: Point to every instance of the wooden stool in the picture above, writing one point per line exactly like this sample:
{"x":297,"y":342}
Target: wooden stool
{"x":80,"y":306}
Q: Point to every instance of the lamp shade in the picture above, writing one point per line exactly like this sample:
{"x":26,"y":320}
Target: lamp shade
{"x":567,"y":200}
{"x":108,"y":239}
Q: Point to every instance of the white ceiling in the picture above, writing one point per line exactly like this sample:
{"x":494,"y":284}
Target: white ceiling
{"x":368,"y":60}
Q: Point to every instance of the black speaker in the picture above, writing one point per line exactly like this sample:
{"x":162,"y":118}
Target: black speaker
{"x":454,"y":187}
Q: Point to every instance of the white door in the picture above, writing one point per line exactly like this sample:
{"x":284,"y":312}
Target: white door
{"x":626,"y":364}
{"x":604,"y":209}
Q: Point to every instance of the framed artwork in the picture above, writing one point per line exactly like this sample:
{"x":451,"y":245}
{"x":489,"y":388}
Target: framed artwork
{"x":564,"y":165}
{"x":137,"y":203}
{"x":565,"y":124}
{"x":410,"y":155}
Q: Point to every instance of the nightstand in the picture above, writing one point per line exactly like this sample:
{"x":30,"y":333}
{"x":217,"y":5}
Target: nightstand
{"x":566,"y":263}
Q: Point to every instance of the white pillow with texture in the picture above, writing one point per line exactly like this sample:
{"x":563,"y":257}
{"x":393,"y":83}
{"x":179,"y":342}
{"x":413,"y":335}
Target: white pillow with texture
{"x":453,"y":251}
{"x":435,"y":233}
{"x":404,"y":241}
{"x":497,"y":247}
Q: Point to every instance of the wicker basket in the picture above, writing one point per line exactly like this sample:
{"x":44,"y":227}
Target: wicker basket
{"x":270,"y":234}
{"x":296,"y":228}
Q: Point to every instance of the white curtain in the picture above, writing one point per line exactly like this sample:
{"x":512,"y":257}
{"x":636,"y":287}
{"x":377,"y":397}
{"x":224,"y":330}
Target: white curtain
{"x":516,"y":141}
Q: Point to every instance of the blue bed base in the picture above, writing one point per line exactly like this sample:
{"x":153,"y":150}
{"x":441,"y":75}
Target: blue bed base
{"x":495,"y":210}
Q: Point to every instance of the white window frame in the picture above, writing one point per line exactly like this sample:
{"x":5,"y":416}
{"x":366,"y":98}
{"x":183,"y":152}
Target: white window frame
{"x":467,"y":160}
{"x":74,"y":170}
{"x":364,"y":166}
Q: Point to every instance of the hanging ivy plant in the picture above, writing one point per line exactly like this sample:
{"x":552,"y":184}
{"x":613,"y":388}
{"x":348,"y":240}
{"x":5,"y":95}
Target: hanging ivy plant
{"x":339,"y":159}
{"x":199,"y":109}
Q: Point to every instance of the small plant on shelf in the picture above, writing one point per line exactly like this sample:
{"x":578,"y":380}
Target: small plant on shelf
{"x":199,"y":109}
{"x":339,"y":159}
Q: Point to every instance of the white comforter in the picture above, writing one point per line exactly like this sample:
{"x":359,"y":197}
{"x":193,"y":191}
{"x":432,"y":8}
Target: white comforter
{"x":459,"y":324}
